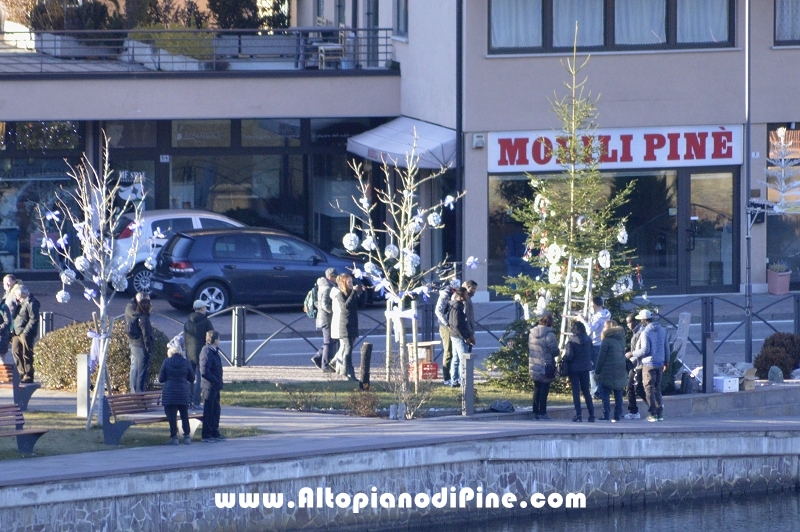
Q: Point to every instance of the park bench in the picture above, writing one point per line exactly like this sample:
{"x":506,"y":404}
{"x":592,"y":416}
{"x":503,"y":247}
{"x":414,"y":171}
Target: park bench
{"x":11,"y":424}
{"x":133,"y":409}
{"x":9,"y":378}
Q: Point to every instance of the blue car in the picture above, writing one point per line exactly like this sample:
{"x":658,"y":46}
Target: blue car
{"x":240,"y":266}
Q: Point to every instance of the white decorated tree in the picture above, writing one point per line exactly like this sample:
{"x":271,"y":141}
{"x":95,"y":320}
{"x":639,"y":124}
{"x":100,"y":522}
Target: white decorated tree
{"x":390,"y":249}
{"x":89,"y":213}
{"x":782,"y":173}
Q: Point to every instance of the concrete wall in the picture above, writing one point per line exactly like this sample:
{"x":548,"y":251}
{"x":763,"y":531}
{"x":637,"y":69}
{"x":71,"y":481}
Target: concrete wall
{"x":143,"y":99}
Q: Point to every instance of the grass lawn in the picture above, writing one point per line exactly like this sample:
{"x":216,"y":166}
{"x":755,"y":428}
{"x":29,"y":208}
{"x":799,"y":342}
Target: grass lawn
{"x":67,"y":435}
{"x":335,"y":394}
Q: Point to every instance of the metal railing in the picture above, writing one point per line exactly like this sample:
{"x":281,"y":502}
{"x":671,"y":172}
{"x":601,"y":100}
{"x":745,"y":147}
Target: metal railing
{"x":186,"y":51}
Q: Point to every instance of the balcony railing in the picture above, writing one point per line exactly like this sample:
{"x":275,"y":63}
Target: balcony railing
{"x":143,"y":51}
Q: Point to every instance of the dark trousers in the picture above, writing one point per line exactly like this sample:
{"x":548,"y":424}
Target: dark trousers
{"x":345,"y":358}
{"x":580,"y":385}
{"x":447,"y":351}
{"x":211,"y":413}
{"x":140,"y":369}
{"x":171,"y":412}
{"x":323,"y":356}
{"x":605,"y":393}
{"x":651,"y":378}
{"x":196,"y":395}
{"x":23,"y":356}
{"x":540,"y":391}
{"x":635,"y":388}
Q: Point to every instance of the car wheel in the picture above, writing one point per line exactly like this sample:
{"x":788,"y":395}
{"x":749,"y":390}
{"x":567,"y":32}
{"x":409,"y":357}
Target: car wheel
{"x":139,"y":280}
{"x":214,"y":295}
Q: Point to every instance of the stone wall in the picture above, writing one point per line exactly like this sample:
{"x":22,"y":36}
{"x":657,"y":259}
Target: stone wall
{"x":666,"y":467}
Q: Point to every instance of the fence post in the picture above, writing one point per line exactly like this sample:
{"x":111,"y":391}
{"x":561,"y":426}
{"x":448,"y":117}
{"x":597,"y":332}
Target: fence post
{"x":84,"y":396}
{"x":468,"y":387}
{"x":45,"y":323}
{"x":237,"y":336}
{"x":708,"y":344}
{"x":797,"y":313}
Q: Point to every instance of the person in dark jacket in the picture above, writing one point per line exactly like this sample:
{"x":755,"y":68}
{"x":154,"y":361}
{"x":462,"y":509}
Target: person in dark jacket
{"x":5,"y":330}
{"x":177,"y":377}
{"x":610,"y":370}
{"x":579,"y":358}
{"x":140,"y":340}
{"x":194,"y":336}
{"x":26,"y":327}
{"x":461,"y":334}
{"x":211,"y":370}
{"x":543,"y":349}
{"x":323,"y":322}
{"x":635,"y":386}
{"x":346,"y":301}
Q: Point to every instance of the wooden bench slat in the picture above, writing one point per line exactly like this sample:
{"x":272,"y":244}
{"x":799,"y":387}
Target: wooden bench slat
{"x":131,"y":409}
{"x":26,"y":438}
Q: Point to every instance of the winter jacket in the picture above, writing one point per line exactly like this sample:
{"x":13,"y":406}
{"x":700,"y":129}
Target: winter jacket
{"x":324,"y":303}
{"x":145,"y":339}
{"x":210,"y":368}
{"x":177,"y":376}
{"x":348,"y":314}
{"x":652,"y":347}
{"x":443,"y":306}
{"x":579,"y":353}
{"x":458,"y":322}
{"x":594,"y":327}
{"x":5,"y":327}
{"x":26,"y":323}
{"x":194,"y":335}
{"x":610,"y":370}
{"x":543,"y":349}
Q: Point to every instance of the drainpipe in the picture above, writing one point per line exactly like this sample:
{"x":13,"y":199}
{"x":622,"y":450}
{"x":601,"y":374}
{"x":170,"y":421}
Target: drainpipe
{"x":459,"y":127}
{"x":748,"y":294}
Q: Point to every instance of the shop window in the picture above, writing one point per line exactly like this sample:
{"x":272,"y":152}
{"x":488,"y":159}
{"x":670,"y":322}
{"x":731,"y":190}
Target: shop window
{"x":44,"y":136}
{"x":271,"y":132}
{"x":787,"y":22}
{"x":201,"y":133}
{"x":535,"y":26}
{"x":783,"y":230}
{"x":335,"y":131}
{"x":131,"y":133}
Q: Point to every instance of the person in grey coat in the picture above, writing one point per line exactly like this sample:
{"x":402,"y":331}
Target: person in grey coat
{"x":26,"y":327}
{"x":323,"y":322}
{"x":542,"y":349}
{"x":177,"y":377}
{"x":652,"y":351}
{"x":194,"y":336}
{"x":610,"y":369}
{"x":345,"y":326}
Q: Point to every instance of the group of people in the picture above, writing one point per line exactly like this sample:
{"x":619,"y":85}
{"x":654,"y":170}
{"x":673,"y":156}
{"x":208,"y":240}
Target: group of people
{"x":456,"y":316}
{"x":19,"y":325}
{"x":191,"y":373}
{"x":605,"y":361}
{"x":337,"y":318}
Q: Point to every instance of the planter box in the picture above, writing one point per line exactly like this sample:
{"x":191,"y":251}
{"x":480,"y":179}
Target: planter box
{"x":778,"y":282}
{"x":66,"y":46}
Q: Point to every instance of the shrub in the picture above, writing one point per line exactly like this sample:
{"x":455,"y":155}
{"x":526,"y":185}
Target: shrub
{"x":362,"y":403}
{"x":773,"y":356}
{"x":786,"y":341}
{"x":197,"y":45}
{"x":55,"y":356}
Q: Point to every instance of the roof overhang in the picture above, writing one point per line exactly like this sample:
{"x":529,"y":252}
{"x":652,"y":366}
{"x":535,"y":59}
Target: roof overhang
{"x":393,"y":142}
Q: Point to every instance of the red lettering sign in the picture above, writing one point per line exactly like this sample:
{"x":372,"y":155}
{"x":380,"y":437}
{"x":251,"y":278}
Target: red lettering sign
{"x":513,"y":150}
{"x":542,"y":150}
{"x":607,"y":156}
{"x":722,"y":144}
{"x":695,"y":145}
{"x":673,"y":146}
{"x":653,"y":142}
{"x":626,"y":148}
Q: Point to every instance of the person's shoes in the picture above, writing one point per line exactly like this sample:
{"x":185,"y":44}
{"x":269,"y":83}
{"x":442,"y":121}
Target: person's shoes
{"x":591,"y":419}
{"x":632,"y":415}
{"x":26,"y":380}
{"x":220,"y":438}
{"x":614,"y":419}
{"x":455,"y":384}
{"x":544,"y":417}
{"x":651,"y":418}
{"x":317,"y":362}
{"x":604,"y":418}
{"x":660,"y":418}
{"x":577,"y":419}
{"x":597,"y":397}
{"x":187,"y":440}
{"x":208,"y":440}
{"x":174,"y":441}
{"x":328,"y":369}
{"x":447,"y":383}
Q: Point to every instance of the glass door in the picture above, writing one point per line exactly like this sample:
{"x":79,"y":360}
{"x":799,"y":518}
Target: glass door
{"x":710,"y":231}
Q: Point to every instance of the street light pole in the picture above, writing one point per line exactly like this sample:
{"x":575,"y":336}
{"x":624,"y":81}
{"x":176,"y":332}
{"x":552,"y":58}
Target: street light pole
{"x":748,"y":295}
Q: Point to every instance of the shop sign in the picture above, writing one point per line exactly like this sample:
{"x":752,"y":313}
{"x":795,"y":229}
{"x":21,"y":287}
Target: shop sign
{"x":646,"y":147}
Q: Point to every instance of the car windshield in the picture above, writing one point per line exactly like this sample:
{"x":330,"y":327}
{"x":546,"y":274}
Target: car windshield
{"x":178,"y":246}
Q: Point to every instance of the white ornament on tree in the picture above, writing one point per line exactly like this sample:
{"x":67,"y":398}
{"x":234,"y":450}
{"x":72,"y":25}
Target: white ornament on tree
{"x":62,"y":296}
{"x":622,"y":236}
{"x":604,"y":259}
{"x":350,"y":242}
{"x":554,"y":253}
{"x":391,"y":252}
{"x":554,"y":274}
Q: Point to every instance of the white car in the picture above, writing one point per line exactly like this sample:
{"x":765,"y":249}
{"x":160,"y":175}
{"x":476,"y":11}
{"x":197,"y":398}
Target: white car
{"x":168,"y":222}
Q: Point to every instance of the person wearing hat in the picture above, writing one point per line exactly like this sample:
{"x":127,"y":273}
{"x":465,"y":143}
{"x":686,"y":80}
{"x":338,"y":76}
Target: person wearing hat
{"x":140,"y":340}
{"x":323,"y":322}
{"x":652,"y":351}
{"x":194,"y":336}
{"x":177,"y":377}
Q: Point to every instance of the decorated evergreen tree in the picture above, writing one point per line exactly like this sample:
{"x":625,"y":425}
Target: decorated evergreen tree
{"x":569,"y":216}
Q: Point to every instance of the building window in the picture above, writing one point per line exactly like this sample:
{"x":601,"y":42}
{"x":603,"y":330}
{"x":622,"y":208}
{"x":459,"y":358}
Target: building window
{"x":787,"y":22}
{"x":340,"y":16}
{"x":535,"y":26}
{"x":401,"y":29}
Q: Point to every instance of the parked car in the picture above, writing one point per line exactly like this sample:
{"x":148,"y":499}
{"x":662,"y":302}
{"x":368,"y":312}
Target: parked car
{"x":251,"y":265}
{"x":168,"y":222}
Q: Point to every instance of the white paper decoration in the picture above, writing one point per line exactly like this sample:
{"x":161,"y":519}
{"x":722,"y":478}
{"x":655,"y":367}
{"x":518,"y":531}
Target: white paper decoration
{"x":554,"y":274}
{"x":391,"y":252}
{"x":62,"y":296}
{"x":150,"y":263}
{"x":622,"y":236}
{"x":604,"y":259}
{"x":553,"y":253}
{"x":434,"y":220}
{"x":350,"y":242}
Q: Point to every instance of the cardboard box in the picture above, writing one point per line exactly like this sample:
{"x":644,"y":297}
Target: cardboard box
{"x":748,"y":382}
{"x":726,"y":384}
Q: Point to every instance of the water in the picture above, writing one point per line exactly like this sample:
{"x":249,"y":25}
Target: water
{"x":767,"y":511}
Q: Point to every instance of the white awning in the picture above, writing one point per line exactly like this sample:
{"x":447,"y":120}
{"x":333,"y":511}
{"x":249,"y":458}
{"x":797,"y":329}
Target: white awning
{"x":436,"y":145}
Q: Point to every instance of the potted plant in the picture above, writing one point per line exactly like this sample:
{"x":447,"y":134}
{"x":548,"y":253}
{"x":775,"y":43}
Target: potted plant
{"x":778,"y":274}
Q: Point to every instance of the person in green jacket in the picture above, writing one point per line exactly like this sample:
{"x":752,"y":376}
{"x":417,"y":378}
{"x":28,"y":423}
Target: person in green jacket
{"x":610,"y":369}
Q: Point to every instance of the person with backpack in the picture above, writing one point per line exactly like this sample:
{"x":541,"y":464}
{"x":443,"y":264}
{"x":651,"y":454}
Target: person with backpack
{"x":323,"y":311}
{"x":140,"y":340}
{"x":194,"y":336}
